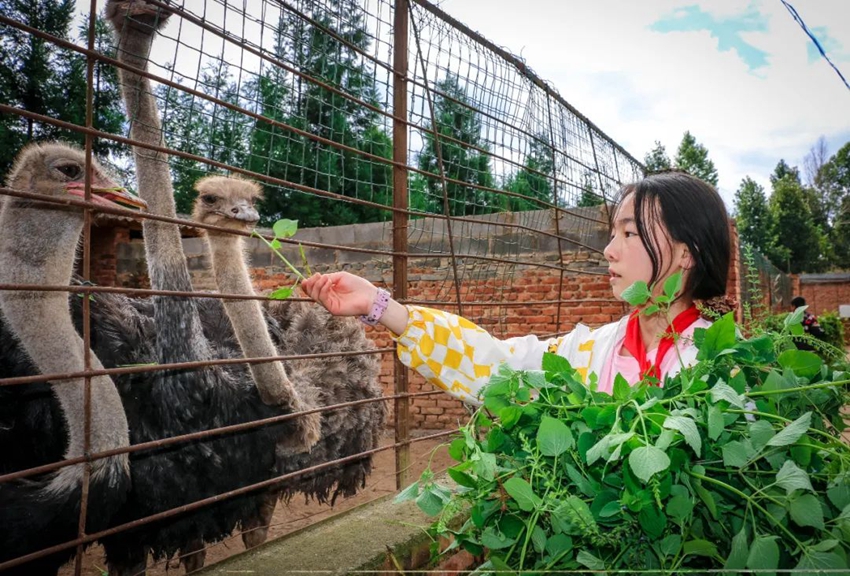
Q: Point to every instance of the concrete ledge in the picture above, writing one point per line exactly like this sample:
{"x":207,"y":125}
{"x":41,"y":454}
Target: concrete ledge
{"x":359,"y":539}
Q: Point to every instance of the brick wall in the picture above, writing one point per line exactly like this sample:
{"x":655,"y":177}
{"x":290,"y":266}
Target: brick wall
{"x":825,"y":293}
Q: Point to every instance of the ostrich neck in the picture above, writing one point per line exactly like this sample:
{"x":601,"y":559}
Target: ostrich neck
{"x":42,"y":323}
{"x":179,"y":333}
{"x":246,"y":316}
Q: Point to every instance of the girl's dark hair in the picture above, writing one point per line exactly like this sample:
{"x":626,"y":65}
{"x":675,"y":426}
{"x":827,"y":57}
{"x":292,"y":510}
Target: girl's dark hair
{"x":692,"y":213}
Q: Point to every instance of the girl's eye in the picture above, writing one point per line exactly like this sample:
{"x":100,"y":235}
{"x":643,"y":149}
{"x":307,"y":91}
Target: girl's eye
{"x":630,"y":234}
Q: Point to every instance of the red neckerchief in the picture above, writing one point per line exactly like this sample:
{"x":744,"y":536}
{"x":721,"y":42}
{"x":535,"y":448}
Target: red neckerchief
{"x":634,"y":343}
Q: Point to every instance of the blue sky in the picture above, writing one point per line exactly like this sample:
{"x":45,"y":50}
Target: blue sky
{"x":741,"y":76}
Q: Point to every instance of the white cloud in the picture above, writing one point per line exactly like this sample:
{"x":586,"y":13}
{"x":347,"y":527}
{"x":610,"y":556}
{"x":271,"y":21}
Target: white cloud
{"x":640,"y":86}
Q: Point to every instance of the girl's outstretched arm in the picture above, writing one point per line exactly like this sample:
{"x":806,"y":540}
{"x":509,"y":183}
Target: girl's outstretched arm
{"x":345,"y":294}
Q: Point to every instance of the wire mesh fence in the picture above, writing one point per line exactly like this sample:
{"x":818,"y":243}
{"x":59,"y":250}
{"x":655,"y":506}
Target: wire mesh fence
{"x":479,"y":179}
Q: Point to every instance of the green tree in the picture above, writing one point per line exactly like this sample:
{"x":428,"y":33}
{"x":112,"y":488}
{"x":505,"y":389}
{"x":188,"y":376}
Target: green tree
{"x":752,"y":215}
{"x":589,"y":196}
{"x":799,"y":244}
{"x":325,"y":113}
{"x":534,"y":179}
{"x":38,"y":76}
{"x":462,"y":156}
{"x":783,"y":170}
{"x":657,"y":159}
{"x":692,"y":157}
{"x":833,"y":185}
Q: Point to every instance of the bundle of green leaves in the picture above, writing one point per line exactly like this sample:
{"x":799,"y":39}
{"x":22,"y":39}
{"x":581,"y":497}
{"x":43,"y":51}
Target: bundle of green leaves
{"x":736,"y":463}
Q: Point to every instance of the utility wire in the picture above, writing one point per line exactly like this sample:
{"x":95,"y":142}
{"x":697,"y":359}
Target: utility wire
{"x":805,"y":28}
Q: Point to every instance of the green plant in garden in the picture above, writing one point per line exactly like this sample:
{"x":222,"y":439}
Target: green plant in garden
{"x":736,"y":463}
{"x":285,"y":228}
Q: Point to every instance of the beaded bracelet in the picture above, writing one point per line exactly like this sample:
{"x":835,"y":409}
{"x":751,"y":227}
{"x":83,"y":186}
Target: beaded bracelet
{"x":379,"y":306}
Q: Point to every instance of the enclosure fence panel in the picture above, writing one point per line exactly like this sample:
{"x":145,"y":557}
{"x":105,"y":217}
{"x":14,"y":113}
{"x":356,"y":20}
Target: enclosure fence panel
{"x":407,"y":147}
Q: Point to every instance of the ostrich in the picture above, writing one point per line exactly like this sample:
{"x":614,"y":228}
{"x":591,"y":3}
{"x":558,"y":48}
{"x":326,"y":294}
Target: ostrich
{"x":38,"y":241}
{"x":298,"y":329}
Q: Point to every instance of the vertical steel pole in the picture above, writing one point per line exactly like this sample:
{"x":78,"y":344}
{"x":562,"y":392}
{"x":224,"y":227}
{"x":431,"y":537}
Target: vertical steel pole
{"x":400,"y":63}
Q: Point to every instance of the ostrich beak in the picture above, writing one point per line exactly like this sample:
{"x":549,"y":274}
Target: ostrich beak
{"x":244,"y":212}
{"x":114,"y":196}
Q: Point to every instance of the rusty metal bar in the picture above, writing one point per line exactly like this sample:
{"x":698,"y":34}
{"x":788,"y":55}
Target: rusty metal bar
{"x":207,"y":501}
{"x":184,"y":366}
{"x":401,"y":380}
{"x":203,"y":434}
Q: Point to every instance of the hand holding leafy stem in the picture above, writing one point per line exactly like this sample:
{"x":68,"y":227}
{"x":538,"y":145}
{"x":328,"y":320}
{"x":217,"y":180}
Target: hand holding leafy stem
{"x":285,"y":228}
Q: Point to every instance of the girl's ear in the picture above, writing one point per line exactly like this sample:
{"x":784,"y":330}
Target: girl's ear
{"x":686,"y":260}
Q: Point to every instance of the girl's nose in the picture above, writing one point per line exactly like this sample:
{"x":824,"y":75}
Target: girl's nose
{"x":608,"y":252}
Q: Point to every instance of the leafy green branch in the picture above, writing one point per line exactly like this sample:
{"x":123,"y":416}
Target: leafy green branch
{"x":285,"y":228}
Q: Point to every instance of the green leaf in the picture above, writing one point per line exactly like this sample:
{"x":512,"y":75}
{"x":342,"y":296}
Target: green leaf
{"x":715,"y":422}
{"x":408,"y":493}
{"x":673,"y":285}
{"x":839,"y":494}
{"x":647,"y":461}
{"x":670,"y":545}
{"x":559,"y":544}
{"x":806,"y":511}
{"x":588,"y":560}
{"x":761,"y":432}
{"x":556,"y":364}
{"x":285,"y":228}
{"x":610,"y":509}
{"x":462,"y":478}
{"x":521,"y":491}
{"x":538,"y":539}
{"x":622,"y":389}
{"x":795,"y":317}
{"x":652,"y":520}
{"x":637,"y":294}
{"x":688,"y":428}
{"x":700,"y":548}
{"x":485,"y":466}
{"x":722,"y":391}
{"x":735,"y":454}
{"x":802,"y":362}
{"x":764,"y":554}
{"x":575,"y":515}
{"x":495,"y":540}
{"x":792,"y":432}
{"x":820,"y":561}
{"x":456,"y":449}
{"x":717,"y":338}
{"x":275,"y":244}
{"x":554,"y":437}
{"x":281,"y":293}
{"x":791,"y":478}
{"x":679,"y":508}
{"x":740,"y":551}
{"x":429,"y":502}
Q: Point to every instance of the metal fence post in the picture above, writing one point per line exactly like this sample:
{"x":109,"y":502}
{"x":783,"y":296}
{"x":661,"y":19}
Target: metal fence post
{"x":400,"y":218}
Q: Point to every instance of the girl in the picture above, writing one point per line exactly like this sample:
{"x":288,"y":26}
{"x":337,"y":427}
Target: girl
{"x":666,"y":223}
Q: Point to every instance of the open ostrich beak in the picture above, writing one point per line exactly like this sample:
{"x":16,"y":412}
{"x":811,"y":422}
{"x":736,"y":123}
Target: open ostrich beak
{"x":113,"y":196}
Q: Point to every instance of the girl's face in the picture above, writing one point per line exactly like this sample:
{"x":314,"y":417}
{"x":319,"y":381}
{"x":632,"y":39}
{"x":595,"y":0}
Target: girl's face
{"x":628,"y":259}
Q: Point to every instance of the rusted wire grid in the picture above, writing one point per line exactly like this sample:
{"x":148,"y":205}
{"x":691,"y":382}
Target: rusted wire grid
{"x":212,"y":500}
{"x":244,"y":111}
{"x":521,"y":67}
{"x":70,"y":201}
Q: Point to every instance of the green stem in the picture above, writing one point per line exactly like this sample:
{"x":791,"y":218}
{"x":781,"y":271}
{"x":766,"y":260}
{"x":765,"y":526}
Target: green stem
{"x":750,"y":501}
{"x":835,"y":384}
{"x":279,"y":255}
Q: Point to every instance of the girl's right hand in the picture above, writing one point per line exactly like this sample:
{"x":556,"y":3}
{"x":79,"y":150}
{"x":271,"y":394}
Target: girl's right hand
{"x":342,"y":293}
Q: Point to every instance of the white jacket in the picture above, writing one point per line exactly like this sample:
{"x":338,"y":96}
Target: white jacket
{"x":456,"y":355}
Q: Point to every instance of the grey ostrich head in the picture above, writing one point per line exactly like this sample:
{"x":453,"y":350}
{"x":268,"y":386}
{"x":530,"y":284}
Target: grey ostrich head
{"x":55,"y":169}
{"x":228,"y":202}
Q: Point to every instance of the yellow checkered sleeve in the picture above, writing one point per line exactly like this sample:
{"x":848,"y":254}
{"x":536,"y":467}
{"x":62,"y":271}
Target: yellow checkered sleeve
{"x":456,"y":355}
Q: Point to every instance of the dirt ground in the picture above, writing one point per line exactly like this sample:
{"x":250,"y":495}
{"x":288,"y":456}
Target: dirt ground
{"x":298,"y":514}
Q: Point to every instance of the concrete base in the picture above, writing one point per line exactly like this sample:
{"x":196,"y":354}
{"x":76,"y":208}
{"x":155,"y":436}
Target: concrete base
{"x":379,"y":536}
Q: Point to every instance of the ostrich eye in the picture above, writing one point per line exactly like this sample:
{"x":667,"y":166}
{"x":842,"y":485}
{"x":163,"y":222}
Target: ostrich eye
{"x":209,"y":199}
{"x":72,"y":171}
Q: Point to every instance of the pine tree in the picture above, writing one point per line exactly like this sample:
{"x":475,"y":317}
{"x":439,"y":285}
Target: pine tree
{"x":589,"y":196}
{"x":754,"y":219}
{"x":783,"y":170}
{"x":799,"y":244}
{"x":534,"y":179}
{"x":462,"y":159}
{"x":657,"y":159}
{"x":692,"y":157}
